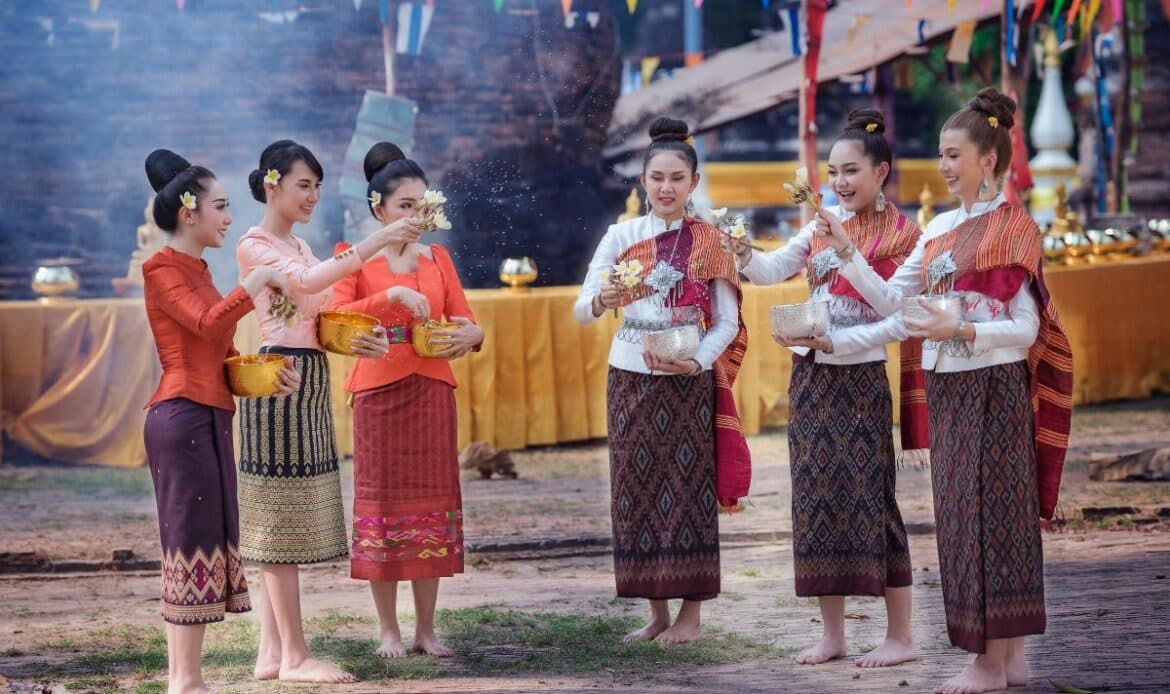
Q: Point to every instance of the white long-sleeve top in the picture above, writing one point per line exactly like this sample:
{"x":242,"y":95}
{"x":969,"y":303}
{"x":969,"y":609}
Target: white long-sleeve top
{"x":628,"y":355}
{"x":1003,"y":332}
{"x":858,"y":333}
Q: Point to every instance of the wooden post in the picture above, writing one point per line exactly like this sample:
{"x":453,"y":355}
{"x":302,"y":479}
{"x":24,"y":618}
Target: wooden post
{"x":388,"y":52}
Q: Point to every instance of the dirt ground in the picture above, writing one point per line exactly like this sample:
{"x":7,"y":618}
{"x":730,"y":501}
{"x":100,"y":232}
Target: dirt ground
{"x":537,"y":545}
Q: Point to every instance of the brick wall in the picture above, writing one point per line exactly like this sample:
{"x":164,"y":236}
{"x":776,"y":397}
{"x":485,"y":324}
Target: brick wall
{"x":85,"y":97}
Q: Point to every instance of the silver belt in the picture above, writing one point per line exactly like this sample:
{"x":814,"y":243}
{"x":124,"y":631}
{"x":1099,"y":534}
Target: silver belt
{"x":632,"y":329}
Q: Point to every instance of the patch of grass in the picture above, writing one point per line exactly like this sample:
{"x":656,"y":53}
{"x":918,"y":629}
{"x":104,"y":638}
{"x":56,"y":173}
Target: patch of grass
{"x":733,"y":596}
{"x":357,"y":656}
{"x":509,"y":641}
{"x":152,"y":687}
{"x":126,"y":648}
{"x":12,"y":652}
{"x":101,"y":683}
{"x":750,"y":572}
{"x":229,"y":649}
{"x":332,"y":621}
{"x":79,"y":480}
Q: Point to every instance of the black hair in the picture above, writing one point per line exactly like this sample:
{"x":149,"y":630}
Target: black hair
{"x":977,"y":121}
{"x":170,"y":176}
{"x":386,"y":166}
{"x":867,"y":127}
{"x":671,"y":135}
{"x":281,"y":155}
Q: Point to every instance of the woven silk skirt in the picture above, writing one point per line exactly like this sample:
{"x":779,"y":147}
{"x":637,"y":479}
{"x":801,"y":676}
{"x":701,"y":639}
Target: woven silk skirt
{"x":290,"y":488}
{"x":847,"y":532}
{"x":189,"y":451}
{"x":663,"y":501}
{"x":407,"y":507}
{"x":983,"y":470}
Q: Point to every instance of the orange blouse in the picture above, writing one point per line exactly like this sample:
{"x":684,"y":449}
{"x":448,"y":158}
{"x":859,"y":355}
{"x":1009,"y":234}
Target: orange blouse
{"x":193,"y":327}
{"x":365,"y":291}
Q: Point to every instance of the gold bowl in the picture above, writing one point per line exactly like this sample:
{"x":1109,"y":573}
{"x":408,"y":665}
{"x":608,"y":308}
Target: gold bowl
{"x":337,"y":329}
{"x":254,"y":375}
{"x":420,"y":336}
{"x":517,"y":273}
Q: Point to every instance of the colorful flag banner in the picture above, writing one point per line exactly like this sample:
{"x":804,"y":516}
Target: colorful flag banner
{"x":632,"y":6}
{"x":794,"y":26}
{"x":566,"y":6}
{"x":855,"y":26}
{"x":1011,"y":28}
{"x":384,"y":11}
{"x":1037,"y":9}
{"x":960,"y":48}
{"x":649,"y":65}
{"x":414,"y":19}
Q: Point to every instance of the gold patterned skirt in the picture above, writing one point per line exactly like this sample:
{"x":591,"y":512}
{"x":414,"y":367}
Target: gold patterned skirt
{"x":289,"y":484}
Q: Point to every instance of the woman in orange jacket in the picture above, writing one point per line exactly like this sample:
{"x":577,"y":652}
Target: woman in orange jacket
{"x":407,"y":509}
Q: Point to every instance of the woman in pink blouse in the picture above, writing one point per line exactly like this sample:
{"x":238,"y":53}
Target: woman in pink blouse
{"x":289,"y":485}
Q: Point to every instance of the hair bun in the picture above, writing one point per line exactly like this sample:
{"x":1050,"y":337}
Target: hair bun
{"x":863,"y":118}
{"x":379,"y":156}
{"x":162,"y":165}
{"x":990,"y":102}
{"x":664,"y":128}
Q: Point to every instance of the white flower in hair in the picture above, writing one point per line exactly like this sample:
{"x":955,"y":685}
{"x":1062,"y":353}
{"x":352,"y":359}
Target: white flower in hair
{"x":188,"y":200}
{"x":375,"y":198}
{"x":272,"y":177}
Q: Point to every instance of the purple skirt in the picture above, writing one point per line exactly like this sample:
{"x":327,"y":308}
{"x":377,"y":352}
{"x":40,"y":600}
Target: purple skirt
{"x":189,"y":451}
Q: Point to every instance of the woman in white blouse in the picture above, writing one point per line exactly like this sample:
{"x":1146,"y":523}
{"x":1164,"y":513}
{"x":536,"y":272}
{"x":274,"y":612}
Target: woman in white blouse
{"x":669,"y":423}
{"x":847,"y":532}
{"x":983,"y":438}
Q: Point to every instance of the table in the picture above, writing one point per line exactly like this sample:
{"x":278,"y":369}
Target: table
{"x":76,"y":374}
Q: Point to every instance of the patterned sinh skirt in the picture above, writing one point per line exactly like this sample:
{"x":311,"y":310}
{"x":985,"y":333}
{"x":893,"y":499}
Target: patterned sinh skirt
{"x":407,"y":509}
{"x":290,"y":487}
{"x":983,"y":469}
{"x":663,"y":502}
{"x":847,"y":532}
{"x":189,"y":451}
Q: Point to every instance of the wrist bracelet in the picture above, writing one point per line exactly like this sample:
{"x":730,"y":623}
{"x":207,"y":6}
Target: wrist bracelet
{"x":828,"y":350}
{"x":846,"y":253}
{"x":959,"y":325}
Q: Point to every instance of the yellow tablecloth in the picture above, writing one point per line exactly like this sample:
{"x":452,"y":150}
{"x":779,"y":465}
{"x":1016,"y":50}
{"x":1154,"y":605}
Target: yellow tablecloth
{"x":76,"y":374}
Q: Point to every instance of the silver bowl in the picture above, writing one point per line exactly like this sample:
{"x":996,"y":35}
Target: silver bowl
{"x":951,"y":303}
{"x":677,"y":343}
{"x":800,"y":321}
{"x":55,"y":278}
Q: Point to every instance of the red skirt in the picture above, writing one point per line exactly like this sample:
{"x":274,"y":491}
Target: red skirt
{"x":407,"y":507}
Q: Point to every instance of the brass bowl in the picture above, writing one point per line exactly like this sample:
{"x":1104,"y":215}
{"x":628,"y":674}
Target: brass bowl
{"x":420,"y":336}
{"x":55,"y":278}
{"x":517,"y":273}
{"x":337,"y":329}
{"x":254,"y":375}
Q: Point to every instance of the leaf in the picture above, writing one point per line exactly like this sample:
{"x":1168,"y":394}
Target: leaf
{"x":1069,"y":689}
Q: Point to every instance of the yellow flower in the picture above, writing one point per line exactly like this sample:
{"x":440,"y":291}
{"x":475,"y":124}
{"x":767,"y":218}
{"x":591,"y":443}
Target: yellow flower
{"x":375,"y":198}
{"x":634,"y":267}
{"x":272,"y":177}
{"x":188,"y":200}
{"x":630,"y":281}
{"x":690,"y":141}
{"x":871,"y":128}
{"x":993,"y":121}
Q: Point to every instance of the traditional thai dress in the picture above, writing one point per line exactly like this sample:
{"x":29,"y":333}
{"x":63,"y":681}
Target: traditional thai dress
{"x":847,"y":532}
{"x":1000,"y":409}
{"x":407,"y":506}
{"x":188,"y":436}
{"x":290,"y":488}
{"x":677,"y":451}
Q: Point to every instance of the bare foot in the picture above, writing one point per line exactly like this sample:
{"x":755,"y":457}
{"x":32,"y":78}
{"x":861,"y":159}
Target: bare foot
{"x":823,"y":651}
{"x":1016,"y":668}
{"x":313,"y":670}
{"x":890,"y":652}
{"x":431,"y":645}
{"x":681,"y":632}
{"x":977,"y":677}
{"x":390,"y":645}
{"x":647,"y":633}
{"x":189,"y":688}
{"x":266,"y":669}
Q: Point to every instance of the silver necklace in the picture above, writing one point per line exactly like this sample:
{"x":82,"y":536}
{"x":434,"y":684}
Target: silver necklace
{"x":663,"y":277}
